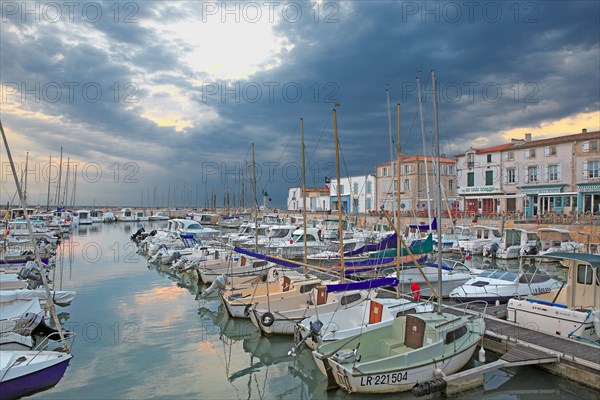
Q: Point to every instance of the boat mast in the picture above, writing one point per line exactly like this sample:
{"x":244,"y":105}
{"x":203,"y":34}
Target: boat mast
{"x":304,"y":194}
{"x":339,"y":192}
{"x":48,"y":196}
{"x":49,"y":300}
{"x":438,"y":188}
{"x":398,"y":238}
{"x":255,"y":201}
{"x":387,"y":95}
{"x":59,"y":179}
{"x":74,"y":186}
{"x":25,"y":179}
{"x":424,"y":155}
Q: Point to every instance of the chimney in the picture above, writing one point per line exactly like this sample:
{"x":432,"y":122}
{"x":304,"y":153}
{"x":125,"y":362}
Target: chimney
{"x":528,"y":137}
{"x":584,"y":130}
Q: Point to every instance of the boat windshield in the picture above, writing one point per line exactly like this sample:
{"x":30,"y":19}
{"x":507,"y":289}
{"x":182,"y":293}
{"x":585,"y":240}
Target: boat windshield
{"x":334,"y":246}
{"x":532,"y":236}
{"x":502,"y":275}
{"x":278,"y":233}
{"x":496,"y":233}
{"x":300,"y":238}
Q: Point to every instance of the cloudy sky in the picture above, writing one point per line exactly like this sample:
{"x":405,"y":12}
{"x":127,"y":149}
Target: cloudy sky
{"x":160,"y":101}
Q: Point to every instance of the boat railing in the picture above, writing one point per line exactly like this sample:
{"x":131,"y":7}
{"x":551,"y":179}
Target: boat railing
{"x":65,"y":343}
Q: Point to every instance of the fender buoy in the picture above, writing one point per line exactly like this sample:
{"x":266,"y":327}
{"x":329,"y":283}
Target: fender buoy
{"x":267,"y":319}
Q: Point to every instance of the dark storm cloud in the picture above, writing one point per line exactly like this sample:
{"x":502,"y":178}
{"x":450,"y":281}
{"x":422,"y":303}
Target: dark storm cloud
{"x":542,"y":56}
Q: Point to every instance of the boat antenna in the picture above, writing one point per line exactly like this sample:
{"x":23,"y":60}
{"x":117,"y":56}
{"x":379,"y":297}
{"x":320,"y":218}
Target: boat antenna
{"x":49,"y":300}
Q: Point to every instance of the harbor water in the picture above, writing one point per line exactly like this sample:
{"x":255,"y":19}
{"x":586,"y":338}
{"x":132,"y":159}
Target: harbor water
{"x":141,"y":334}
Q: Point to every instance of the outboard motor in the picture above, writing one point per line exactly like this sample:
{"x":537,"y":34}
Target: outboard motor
{"x":174,"y":257}
{"x":138,"y":234}
{"x":32,"y":324}
{"x":218,"y":284}
{"x":30,"y":271}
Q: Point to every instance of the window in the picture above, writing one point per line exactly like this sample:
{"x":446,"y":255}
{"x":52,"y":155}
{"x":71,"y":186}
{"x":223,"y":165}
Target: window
{"x":532,"y":174}
{"x":368,"y":203}
{"x":368,"y":187}
{"x":470,"y":178}
{"x":594,"y":145}
{"x":510,"y":156}
{"x":593,"y":169}
{"x":450,"y":184}
{"x":489,"y":178}
{"x":355,"y":188}
{"x":549,"y":151}
{"x":307,"y":288}
{"x":342,"y":189}
{"x":455,"y":334}
{"x":450,"y":169}
{"x":384,"y":171}
{"x":406,"y":185}
{"x":395,"y":186}
{"x":553,"y":173}
{"x":584,"y":274}
{"x":351,"y":298}
{"x":585,"y":147}
{"x":489,"y":158}
{"x":512,"y":175}
{"x":470,"y":160}
{"x":407,"y":169}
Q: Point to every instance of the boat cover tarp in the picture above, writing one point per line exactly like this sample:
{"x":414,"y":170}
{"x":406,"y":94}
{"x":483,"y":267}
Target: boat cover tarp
{"x":425,"y":228}
{"x":386,"y":243}
{"x":362,"y":285}
{"x":276,"y":260}
{"x":421,"y":246}
{"x":60,"y":297}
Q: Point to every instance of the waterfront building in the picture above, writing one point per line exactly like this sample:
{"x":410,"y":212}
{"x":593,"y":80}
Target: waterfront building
{"x":317,"y":199}
{"x":532,"y":177}
{"x":413,"y":187}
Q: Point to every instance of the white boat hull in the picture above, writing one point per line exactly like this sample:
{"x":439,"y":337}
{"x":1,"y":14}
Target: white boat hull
{"x":554,"y":319}
{"x":400,"y":380}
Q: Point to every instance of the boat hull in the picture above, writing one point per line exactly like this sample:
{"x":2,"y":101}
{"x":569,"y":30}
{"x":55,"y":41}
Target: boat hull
{"x":399,"y":380}
{"x":35,"y":380}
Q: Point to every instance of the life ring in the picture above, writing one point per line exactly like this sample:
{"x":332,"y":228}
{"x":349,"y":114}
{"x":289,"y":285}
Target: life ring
{"x":267,"y":319}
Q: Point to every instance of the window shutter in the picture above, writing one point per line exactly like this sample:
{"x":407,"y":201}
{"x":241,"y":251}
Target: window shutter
{"x":545,"y":173}
{"x":526,"y":153}
{"x":546,"y":151}
{"x":526,"y":177}
{"x":585,"y":146}
{"x":559,"y":172}
{"x":505,"y":177}
{"x":516,"y":175}
{"x":585,"y":170}
{"x":505,"y":156}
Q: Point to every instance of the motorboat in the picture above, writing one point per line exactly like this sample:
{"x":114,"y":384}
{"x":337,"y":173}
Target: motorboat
{"x":493,"y":285}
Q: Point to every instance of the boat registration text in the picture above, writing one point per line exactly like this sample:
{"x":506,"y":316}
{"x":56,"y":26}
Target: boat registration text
{"x":385,"y":379}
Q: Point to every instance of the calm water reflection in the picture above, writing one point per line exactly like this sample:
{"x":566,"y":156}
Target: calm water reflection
{"x":141,"y":334}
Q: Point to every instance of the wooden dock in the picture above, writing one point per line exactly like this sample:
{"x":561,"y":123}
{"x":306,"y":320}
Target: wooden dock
{"x":520,"y":346}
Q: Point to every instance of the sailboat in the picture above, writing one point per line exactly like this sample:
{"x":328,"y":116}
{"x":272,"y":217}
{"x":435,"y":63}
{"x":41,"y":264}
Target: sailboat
{"x":27,"y":371}
{"x":413,"y":349}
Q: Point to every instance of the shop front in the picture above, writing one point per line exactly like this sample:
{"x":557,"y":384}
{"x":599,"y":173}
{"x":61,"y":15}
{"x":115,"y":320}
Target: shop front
{"x":541,"y":199}
{"x":588,"y":197}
